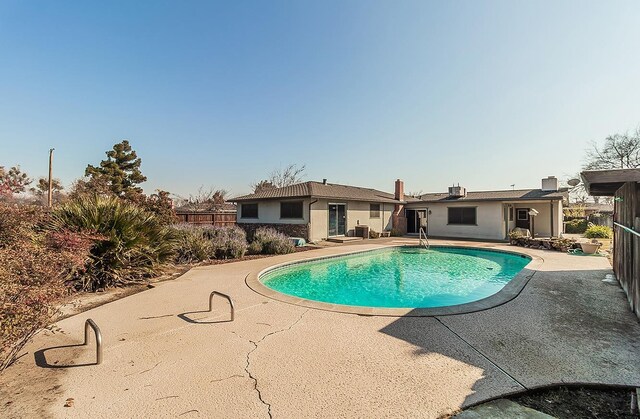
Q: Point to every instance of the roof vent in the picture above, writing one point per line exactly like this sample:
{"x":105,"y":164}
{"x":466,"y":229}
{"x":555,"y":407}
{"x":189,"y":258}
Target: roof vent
{"x":457,"y":191}
{"x":324,"y":181}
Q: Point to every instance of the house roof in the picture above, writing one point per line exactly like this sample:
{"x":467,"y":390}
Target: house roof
{"x":321,"y":190}
{"x":607,"y":182}
{"x":506,"y":195}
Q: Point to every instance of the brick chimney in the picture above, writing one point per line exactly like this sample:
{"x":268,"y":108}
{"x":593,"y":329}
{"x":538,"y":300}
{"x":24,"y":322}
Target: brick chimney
{"x":398,"y":220}
{"x":399,"y":195}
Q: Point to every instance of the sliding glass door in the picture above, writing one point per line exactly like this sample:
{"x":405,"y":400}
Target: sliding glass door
{"x":337,"y":219}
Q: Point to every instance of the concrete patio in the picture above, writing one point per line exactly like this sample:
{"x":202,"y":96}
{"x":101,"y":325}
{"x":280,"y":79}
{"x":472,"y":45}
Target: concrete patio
{"x":282,"y":360}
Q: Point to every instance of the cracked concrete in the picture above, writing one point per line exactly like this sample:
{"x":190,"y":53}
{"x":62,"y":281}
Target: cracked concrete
{"x":255,"y":346}
{"x":282,"y":360}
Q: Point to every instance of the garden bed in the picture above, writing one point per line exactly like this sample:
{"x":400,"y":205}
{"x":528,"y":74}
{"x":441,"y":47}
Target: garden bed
{"x":553,"y":243}
{"x":84,"y":301}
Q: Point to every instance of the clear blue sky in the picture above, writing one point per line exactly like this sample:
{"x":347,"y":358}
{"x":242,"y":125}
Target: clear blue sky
{"x":486,"y":94}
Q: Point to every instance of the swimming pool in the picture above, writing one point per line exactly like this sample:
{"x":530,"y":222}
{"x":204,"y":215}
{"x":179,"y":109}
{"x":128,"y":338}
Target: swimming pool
{"x":399,"y":277}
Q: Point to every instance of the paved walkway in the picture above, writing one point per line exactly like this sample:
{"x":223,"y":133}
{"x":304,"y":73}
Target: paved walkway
{"x":282,"y":360}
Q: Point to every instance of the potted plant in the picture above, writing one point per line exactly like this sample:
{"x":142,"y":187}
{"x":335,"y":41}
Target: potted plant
{"x":602,"y":233}
{"x":591,"y":247}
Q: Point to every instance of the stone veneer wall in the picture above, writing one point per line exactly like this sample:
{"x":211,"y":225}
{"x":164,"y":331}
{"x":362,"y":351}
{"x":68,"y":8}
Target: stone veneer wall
{"x":291,"y":230}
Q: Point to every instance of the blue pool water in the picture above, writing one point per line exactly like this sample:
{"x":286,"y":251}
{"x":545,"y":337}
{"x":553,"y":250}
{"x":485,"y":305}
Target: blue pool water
{"x":400,"y":277}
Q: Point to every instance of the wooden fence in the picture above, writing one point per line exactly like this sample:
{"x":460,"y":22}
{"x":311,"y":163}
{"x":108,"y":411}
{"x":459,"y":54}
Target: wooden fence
{"x":219,"y":219}
{"x":626,"y":253}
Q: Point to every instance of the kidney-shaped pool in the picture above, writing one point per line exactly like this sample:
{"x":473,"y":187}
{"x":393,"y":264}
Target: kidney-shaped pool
{"x":399,"y":277}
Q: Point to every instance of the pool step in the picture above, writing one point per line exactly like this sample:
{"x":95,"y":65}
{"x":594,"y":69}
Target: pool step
{"x":344,"y":239}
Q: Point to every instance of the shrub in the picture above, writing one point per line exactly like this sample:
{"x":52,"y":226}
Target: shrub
{"x":577,"y":226}
{"x":515,"y":234}
{"x":133,"y":244}
{"x":158,"y":204}
{"x":373,"y":234}
{"x":192,"y":245}
{"x":268,"y":241}
{"x":202,"y":243}
{"x":598,"y":232}
{"x":396,"y":233}
{"x":228,"y":242}
{"x":34,"y":265}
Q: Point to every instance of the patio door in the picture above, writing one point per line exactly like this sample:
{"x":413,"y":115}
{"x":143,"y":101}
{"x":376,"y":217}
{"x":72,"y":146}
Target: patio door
{"x":415,"y":220}
{"x":337,"y":219}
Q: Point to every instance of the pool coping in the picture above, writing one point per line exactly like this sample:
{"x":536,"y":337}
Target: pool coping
{"x":506,"y":294}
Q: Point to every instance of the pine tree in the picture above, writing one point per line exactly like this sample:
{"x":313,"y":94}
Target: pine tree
{"x":121,"y":170}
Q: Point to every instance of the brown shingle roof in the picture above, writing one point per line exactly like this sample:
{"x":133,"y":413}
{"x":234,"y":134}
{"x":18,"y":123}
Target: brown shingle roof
{"x":321,"y":190}
{"x":507,"y":195}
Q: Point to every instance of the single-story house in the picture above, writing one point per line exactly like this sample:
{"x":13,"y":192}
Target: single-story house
{"x":321,"y":210}
{"x":489,"y":215}
{"x":624,"y":186}
{"x":317,"y":210}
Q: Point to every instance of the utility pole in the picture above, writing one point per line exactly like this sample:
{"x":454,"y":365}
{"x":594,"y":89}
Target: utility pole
{"x":50,"y":195}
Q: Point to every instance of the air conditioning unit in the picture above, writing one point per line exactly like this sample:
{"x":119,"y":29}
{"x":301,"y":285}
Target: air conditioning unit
{"x":457,"y":191}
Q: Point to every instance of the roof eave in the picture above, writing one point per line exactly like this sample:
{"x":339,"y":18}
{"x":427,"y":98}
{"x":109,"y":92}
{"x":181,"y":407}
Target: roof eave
{"x":607,"y":182}
{"x":444,"y":200}
{"x":380,"y":200}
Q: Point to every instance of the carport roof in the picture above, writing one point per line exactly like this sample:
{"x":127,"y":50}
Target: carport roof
{"x":607,"y":182}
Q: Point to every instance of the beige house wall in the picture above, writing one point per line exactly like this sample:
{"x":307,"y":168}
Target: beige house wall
{"x":356,"y":212}
{"x":491,"y":218}
{"x":319,"y":220}
{"x":542,"y":222}
{"x":269,"y":213}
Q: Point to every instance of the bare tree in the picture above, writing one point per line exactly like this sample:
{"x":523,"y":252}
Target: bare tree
{"x":619,"y":151}
{"x":281,"y":177}
{"x":263,"y":185}
{"x":41,"y":189}
{"x":205,"y":199}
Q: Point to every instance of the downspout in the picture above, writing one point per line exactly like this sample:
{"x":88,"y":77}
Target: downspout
{"x":309,"y":224}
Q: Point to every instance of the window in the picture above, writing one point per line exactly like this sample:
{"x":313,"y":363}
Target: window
{"x":249,"y":211}
{"x":510,"y":213}
{"x":462,"y":215}
{"x":374,"y":210}
{"x":291,"y":209}
{"x":523,"y":214}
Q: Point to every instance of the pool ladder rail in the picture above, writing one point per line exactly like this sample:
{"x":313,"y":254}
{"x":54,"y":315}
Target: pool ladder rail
{"x":423,"y":241}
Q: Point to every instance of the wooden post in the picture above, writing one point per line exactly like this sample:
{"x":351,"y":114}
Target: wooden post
{"x":50,"y":192}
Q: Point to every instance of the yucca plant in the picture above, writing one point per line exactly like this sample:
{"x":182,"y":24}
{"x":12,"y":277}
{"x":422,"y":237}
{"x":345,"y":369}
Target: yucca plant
{"x":133,"y":244}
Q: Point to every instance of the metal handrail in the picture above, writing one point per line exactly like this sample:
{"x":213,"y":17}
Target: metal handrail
{"x":91,"y":324}
{"x":421,"y":232}
{"x":630,"y":230}
{"x":233,"y":308}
